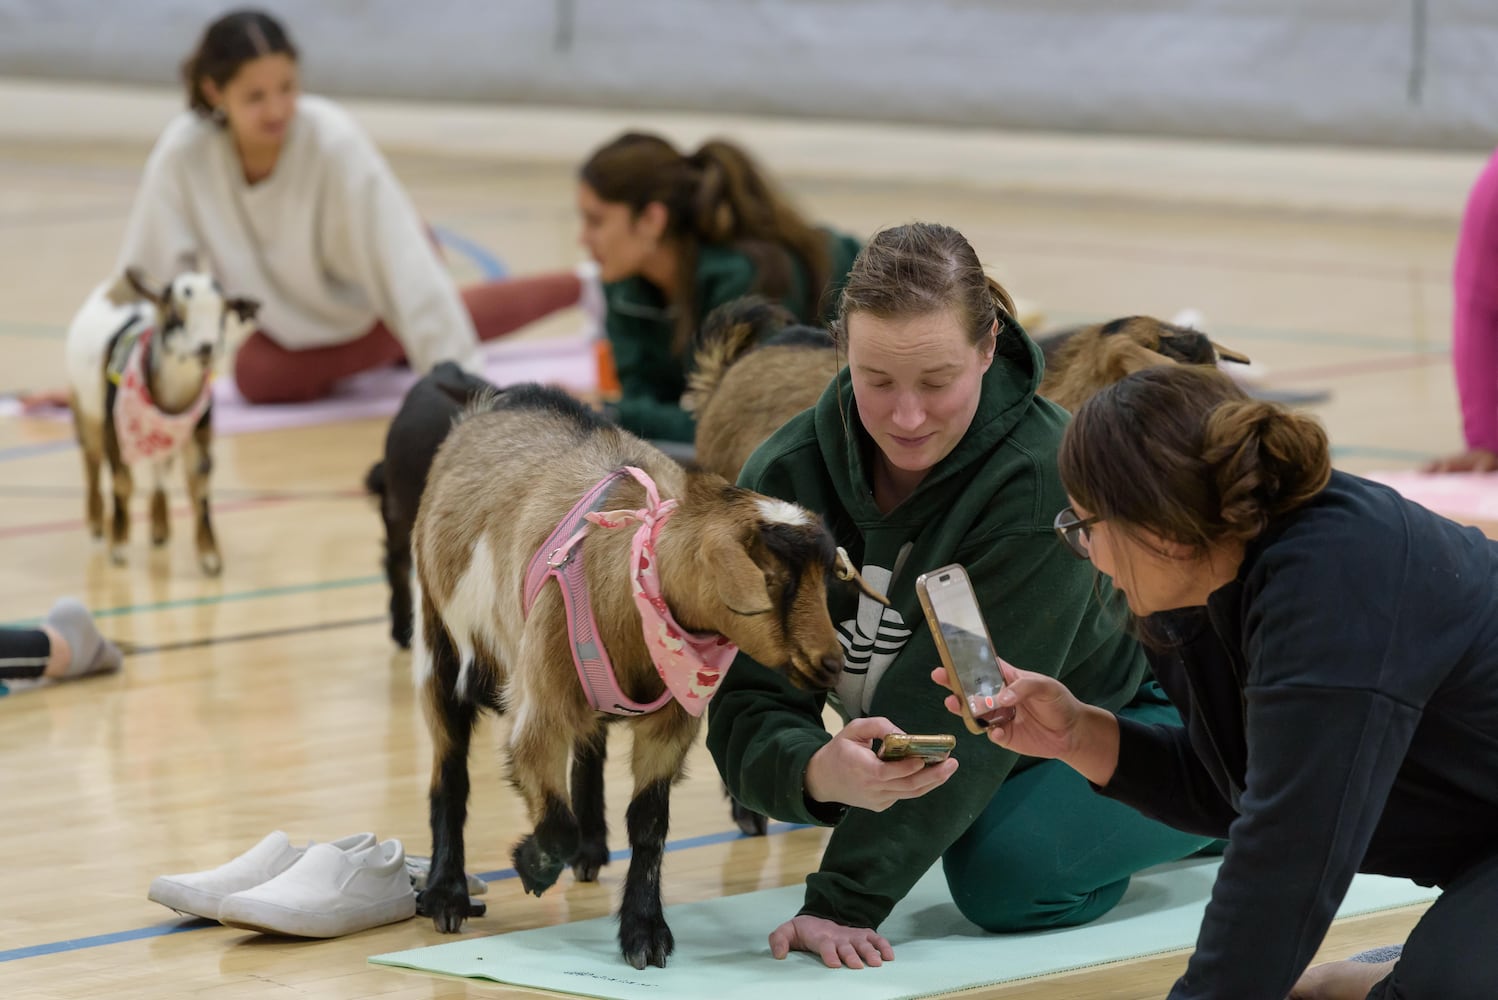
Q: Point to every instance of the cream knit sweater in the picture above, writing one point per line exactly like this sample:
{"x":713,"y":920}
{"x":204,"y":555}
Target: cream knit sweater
{"x":328,"y":243}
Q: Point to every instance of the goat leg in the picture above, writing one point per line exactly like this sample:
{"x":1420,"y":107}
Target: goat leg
{"x":644,"y":937}
{"x":161,"y":528}
{"x":588,"y":757}
{"x":398,"y":570}
{"x":122,"y":485}
{"x":451,"y":721}
{"x":199,"y":465}
{"x":91,"y":443}
{"x":541,"y":855}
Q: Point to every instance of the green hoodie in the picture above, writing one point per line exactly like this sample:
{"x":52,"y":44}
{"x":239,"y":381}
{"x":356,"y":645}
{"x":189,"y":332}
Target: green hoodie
{"x":989,"y":505}
{"x":641,"y":330}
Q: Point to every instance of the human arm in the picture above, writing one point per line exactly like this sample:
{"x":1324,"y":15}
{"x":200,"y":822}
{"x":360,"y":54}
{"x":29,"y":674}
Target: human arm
{"x":377,"y":242}
{"x":160,"y":237}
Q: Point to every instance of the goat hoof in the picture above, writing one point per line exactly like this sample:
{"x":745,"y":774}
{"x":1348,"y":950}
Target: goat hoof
{"x":645,"y":940}
{"x":117,"y":556}
{"x":448,"y":906}
{"x":750,"y":823}
{"x":538,"y":870}
{"x":592,"y":856}
{"x":212,"y":563}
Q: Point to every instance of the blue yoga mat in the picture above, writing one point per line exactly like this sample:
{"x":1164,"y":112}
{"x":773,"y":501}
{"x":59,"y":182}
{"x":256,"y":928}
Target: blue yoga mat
{"x":721,"y":948}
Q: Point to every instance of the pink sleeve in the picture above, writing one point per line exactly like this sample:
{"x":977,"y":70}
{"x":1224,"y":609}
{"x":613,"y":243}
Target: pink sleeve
{"x":1474,"y":340}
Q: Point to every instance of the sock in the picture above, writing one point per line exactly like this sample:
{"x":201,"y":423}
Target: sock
{"x":1376,"y":956}
{"x":92,"y":653}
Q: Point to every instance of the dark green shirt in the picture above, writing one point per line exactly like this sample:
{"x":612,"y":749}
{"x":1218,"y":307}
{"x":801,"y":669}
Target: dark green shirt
{"x":642,"y":328}
{"x":989,"y":505}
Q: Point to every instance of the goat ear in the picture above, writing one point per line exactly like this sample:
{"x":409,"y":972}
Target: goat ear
{"x":130,"y":287}
{"x":1228,"y":354}
{"x":739,"y":580}
{"x":136,"y":279}
{"x":1127,"y":356}
{"x":245,"y":309}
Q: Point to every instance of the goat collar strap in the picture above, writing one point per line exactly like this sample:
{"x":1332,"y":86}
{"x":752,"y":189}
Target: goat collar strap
{"x":145,"y":432}
{"x":692,"y":664}
{"x":561,"y":556}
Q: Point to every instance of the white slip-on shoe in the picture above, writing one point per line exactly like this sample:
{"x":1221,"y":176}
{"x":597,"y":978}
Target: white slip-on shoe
{"x":328,"y":893}
{"x":199,"y":894}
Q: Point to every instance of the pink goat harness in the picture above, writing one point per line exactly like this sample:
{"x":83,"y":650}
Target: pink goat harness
{"x":143,"y":430}
{"x":691,"y":665}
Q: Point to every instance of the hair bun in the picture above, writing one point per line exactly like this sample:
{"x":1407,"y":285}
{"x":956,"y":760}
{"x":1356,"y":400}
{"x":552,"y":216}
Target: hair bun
{"x":1265,"y":459}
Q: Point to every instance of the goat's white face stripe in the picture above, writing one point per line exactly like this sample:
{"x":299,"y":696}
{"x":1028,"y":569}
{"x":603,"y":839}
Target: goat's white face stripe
{"x":783,"y":512}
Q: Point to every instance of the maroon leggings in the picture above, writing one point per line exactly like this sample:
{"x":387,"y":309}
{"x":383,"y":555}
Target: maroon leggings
{"x":266,"y":372}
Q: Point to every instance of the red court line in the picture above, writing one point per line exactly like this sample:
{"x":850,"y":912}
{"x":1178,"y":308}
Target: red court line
{"x":80,"y":525}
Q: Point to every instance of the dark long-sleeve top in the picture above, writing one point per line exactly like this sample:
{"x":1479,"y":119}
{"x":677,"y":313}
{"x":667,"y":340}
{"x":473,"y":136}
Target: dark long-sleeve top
{"x":1341,"y":708}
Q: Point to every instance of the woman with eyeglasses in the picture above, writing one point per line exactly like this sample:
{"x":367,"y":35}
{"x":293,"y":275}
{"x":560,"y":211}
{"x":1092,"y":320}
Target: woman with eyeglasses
{"x":1334,"y":650}
{"x":931,"y":447}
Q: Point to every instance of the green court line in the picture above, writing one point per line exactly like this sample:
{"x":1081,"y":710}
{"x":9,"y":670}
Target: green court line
{"x":244,"y":595}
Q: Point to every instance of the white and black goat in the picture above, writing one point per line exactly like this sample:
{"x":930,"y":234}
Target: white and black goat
{"x":140,"y":368}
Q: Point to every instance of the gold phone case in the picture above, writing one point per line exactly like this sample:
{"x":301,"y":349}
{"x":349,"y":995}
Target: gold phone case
{"x":931,"y":749}
{"x":934,"y":623}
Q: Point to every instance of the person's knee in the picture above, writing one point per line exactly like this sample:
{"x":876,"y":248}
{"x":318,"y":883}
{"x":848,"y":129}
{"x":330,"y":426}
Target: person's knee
{"x":264,"y":373}
{"x":1027,"y":896}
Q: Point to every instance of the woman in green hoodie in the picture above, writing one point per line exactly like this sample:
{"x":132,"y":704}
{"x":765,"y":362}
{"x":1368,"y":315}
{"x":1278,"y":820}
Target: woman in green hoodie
{"x":675,"y":236}
{"x":932,"y":447}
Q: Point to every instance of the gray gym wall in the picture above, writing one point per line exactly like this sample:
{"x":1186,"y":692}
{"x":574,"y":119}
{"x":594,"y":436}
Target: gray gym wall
{"x":1412,"y":73}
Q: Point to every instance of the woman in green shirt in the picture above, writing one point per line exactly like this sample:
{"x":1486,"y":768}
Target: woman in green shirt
{"x":675,"y":235}
{"x":931,"y":447}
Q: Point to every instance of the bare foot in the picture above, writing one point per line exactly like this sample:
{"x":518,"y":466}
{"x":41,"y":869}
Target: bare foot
{"x":33,"y":402}
{"x":1471,"y":460}
{"x":1340,"y":980}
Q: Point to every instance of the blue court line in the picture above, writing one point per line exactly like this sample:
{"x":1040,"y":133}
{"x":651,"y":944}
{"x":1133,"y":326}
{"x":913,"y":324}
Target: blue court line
{"x":490,"y":266}
{"x":182,"y":927}
{"x":15,"y":452}
{"x":1373,"y":451}
{"x":243,"y":595}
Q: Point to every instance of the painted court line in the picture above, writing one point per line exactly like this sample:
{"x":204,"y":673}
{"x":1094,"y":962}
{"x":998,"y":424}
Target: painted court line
{"x":243,"y":595}
{"x":182,"y":927}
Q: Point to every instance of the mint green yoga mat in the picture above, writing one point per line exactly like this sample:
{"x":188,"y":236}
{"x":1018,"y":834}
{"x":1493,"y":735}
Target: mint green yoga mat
{"x":721,"y":950}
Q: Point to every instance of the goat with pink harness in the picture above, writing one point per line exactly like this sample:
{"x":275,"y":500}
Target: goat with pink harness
{"x":690,"y":665}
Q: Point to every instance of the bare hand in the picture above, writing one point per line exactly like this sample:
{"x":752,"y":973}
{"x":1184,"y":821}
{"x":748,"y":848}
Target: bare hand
{"x":1471,"y":460}
{"x":838,"y":946}
{"x":1037,"y":716}
{"x":847,"y":770}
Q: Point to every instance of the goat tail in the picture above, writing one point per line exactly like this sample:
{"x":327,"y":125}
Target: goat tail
{"x":730,"y":331}
{"x":374,"y":480}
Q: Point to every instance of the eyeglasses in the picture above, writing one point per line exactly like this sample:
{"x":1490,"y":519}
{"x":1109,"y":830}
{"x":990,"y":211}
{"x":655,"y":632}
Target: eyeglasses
{"x":1075,"y":532}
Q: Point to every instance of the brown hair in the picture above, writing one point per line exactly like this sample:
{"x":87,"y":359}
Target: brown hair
{"x":717,"y":195}
{"x":1183,"y":452}
{"x":918,"y":269}
{"x":238,"y":37}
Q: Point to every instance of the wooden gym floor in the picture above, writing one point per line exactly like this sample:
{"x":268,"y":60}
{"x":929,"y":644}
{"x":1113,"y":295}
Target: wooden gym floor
{"x":272,"y":698}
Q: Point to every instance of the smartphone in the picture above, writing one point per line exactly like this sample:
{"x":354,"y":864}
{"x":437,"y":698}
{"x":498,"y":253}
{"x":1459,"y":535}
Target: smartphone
{"x":930,"y":749}
{"x":962,"y":641}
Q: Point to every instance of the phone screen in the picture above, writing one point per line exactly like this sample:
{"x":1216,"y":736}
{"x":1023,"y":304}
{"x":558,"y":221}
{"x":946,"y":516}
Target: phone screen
{"x":955,"y":608}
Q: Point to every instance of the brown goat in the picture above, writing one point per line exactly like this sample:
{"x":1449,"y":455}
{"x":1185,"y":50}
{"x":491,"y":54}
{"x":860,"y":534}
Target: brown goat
{"x":755,"y":369}
{"x":730,"y":562}
{"x":1081,"y":361}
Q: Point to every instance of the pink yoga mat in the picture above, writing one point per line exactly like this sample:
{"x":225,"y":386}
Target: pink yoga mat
{"x":565,"y":361}
{"x":1464,"y":496}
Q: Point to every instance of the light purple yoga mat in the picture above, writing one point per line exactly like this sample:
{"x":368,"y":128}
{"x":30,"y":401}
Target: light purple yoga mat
{"x":565,"y":361}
